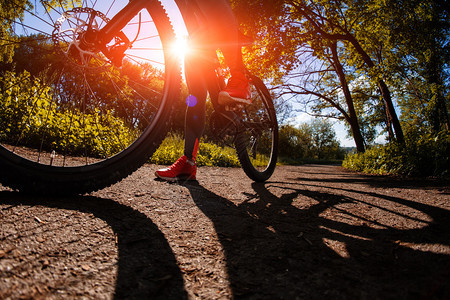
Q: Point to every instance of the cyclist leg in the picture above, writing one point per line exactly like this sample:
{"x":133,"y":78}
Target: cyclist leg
{"x":196,"y":109}
{"x":185,"y":167}
{"x":224,"y":32}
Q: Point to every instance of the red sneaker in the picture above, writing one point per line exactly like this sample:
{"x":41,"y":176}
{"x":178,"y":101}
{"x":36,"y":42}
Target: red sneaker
{"x":182,"y":169}
{"x":237,"y":91}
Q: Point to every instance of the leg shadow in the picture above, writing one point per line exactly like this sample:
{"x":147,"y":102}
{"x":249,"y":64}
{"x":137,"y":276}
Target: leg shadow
{"x":276,"y":250}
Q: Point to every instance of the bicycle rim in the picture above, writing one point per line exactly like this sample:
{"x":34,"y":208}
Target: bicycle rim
{"x":73,"y":119}
{"x":257,"y":139}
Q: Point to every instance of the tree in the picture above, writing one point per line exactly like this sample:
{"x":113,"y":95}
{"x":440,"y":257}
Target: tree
{"x":364,"y":32}
{"x":309,"y":78}
{"x":9,"y":11}
{"x":324,"y":142}
{"x":314,"y":140}
{"x":12,"y":10}
{"x":295,"y":143}
{"x":274,"y":50}
{"x":421,"y":59}
{"x":339,"y":21}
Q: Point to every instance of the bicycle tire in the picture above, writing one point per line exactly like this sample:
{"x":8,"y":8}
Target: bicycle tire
{"x":258,"y":125}
{"x":39,"y":177}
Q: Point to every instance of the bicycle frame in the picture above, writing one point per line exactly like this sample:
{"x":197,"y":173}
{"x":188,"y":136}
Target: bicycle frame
{"x":192,"y":19}
{"x":88,"y":153}
{"x":207,"y":66}
{"x":120,"y":20}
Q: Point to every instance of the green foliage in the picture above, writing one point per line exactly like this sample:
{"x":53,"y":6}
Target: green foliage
{"x":424,"y":155}
{"x":212,"y":155}
{"x":208,"y":155}
{"x":10,"y":11}
{"x":169,"y":151}
{"x":274,"y":50}
{"x":310,"y":141}
{"x":29,"y":116}
{"x":48,"y":105}
{"x":391,"y":64}
{"x":295,"y":143}
{"x":324,"y":142}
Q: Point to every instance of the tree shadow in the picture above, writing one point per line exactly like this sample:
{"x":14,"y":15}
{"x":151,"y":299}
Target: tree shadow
{"x":276,"y":250}
{"x":146,"y":267}
{"x":374,"y":180}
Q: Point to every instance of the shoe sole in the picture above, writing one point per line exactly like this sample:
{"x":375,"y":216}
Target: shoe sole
{"x":175,"y":179}
{"x":226,"y":99}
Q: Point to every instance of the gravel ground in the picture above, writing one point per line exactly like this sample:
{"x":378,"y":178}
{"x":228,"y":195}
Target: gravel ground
{"x":311,"y":232}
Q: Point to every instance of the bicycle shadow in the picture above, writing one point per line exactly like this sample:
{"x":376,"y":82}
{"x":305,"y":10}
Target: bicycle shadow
{"x":275,"y":250}
{"x":146,"y":267}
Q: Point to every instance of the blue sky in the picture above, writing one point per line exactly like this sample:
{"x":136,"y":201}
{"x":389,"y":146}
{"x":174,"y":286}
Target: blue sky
{"x":339,"y":127}
{"x":180,"y":30}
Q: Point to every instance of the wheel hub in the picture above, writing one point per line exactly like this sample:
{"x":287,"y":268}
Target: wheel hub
{"x":76,"y":34}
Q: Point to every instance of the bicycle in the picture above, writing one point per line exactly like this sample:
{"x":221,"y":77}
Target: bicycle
{"x":98,"y":102}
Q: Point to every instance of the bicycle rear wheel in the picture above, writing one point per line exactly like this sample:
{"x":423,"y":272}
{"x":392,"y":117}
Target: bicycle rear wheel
{"x":256,"y":142}
{"x":74,"y":119}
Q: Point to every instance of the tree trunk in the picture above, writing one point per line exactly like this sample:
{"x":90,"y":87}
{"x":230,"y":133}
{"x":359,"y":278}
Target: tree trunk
{"x":392,"y":115}
{"x":433,"y":75}
{"x":352,"y":118}
{"x":390,"y":110}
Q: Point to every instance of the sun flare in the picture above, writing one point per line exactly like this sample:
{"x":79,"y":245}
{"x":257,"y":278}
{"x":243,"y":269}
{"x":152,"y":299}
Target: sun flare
{"x":180,"y":46}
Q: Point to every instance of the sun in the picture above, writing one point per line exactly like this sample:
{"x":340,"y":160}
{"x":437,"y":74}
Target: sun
{"x":180,"y":46}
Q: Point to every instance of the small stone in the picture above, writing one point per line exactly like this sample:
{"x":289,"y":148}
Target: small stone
{"x":85,"y":267}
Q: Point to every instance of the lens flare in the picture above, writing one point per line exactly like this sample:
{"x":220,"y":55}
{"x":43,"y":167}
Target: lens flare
{"x":191,"y":101}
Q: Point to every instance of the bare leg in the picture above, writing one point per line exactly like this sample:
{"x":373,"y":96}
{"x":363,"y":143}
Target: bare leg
{"x":224,"y":30}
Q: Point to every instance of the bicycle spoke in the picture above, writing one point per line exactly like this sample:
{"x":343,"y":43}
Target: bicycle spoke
{"x":121,"y":94}
{"x":259,"y":136}
{"x":32,"y":28}
{"x":137,"y":23}
{"x":134,"y":58}
{"x":75,"y":102}
{"x":147,"y":49}
{"x":140,"y":85}
{"x":39,"y":18}
{"x":109,"y":9}
{"x":76,"y":114}
{"x":147,"y":38}
{"x":91,"y":92}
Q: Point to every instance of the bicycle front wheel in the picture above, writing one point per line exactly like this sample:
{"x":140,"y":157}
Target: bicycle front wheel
{"x":256,"y":142}
{"x":75,"y":118}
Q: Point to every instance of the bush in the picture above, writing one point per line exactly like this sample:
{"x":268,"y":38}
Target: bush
{"x":30,"y":117}
{"x":208,"y":155}
{"x":212,"y":155}
{"x":426,"y":155}
{"x":169,"y":151}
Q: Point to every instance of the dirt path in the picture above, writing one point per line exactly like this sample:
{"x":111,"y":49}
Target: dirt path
{"x":312,"y":232}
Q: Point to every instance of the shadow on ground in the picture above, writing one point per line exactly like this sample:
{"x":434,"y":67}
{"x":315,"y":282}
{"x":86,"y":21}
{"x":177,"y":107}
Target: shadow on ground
{"x":146,"y":267}
{"x":277,"y":251}
{"x":303,"y":238}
